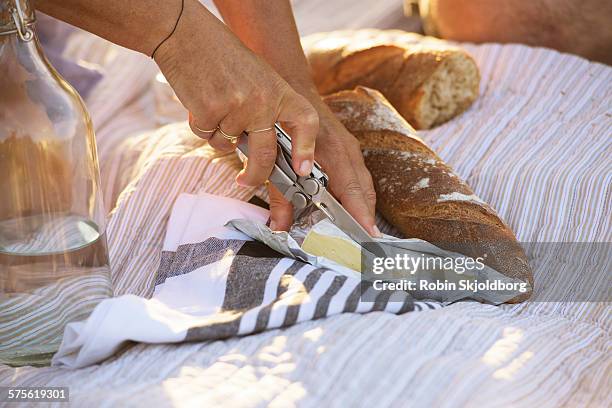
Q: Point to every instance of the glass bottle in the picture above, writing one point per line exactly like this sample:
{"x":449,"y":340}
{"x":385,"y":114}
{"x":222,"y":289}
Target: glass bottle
{"x":54,"y":264}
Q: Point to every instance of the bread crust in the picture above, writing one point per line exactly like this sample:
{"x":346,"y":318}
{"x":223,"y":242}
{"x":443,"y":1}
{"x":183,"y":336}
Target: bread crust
{"x":427,"y":80}
{"x":421,"y":195}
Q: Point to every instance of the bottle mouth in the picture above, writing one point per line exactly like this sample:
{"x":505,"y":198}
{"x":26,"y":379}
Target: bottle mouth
{"x":17,"y":17}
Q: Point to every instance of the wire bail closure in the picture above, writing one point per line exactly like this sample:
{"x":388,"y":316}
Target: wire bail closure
{"x":22,"y":27}
{"x":23,"y":30}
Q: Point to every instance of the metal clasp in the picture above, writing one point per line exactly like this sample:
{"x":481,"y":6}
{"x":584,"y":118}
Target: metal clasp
{"x":22,"y":27}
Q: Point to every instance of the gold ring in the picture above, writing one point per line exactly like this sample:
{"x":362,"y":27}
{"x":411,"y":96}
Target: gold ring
{"x":204,"y":131}
{"x":260,"y":130}
{"x":231,"y":138}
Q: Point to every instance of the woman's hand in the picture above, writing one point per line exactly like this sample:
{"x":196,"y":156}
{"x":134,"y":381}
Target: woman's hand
{"x":337,"y":150}
{"x":350,"y":181}
{"x":225,"y":85}
{"x":339,"y":153}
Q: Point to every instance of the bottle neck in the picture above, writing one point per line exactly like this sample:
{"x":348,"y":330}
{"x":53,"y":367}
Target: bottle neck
{"x":27,"y":80}
{"x":20,"y":52}
{"x":17,"y":18}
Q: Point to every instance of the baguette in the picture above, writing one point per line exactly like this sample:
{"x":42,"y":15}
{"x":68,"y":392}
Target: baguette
{"x":419,"y":194}
{"x":427,"y":80}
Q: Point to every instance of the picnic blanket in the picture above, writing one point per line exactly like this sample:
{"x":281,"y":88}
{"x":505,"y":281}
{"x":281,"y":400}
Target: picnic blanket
{"x":536,"y":145}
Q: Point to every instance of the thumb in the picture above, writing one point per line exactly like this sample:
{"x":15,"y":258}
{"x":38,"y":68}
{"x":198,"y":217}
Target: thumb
{"x":281,"y":210}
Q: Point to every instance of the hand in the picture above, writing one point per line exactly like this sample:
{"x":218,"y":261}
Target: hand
{"x":223,"y":84}
{"x":350,"y":181}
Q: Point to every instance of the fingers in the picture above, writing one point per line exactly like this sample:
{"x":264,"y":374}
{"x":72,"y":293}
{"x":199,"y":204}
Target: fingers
{"x":301,"y":121}
{"x":281,"y":210}
{"x":256,"y":108}
{"x":352,"y":197}
{"x":294,"y":110}
{"x":349,"y":179}
{"x":262,"y":156}
{"x":202,"y":130}
{"x":246,"y":116}
{"x":223,"y":140}
{"x":365,"y":179}
{"x":368,"y":195}
{"x":232,"y":126}
{"x":358,"y":195}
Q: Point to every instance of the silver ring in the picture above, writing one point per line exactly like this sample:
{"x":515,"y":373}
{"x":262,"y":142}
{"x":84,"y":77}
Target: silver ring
{"x":204,"y":131}
{"x":231,"y":138}
{"x":260,"y":130}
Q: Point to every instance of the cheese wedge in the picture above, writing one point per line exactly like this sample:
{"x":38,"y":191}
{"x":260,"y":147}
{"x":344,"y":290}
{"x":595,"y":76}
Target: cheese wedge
{"x":343,"y":251}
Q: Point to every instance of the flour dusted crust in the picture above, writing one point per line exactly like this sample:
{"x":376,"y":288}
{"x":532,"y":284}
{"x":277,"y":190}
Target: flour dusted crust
{"x":418,"y":193}
{"x":427,"y":80}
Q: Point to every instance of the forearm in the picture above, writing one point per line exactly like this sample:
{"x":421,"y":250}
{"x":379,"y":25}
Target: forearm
{"x":268,"y":28}
{"x":139,"y":25}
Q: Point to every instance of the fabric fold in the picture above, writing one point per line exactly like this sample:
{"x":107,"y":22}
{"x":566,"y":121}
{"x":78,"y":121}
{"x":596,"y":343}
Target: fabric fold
{"x":215,"y":282}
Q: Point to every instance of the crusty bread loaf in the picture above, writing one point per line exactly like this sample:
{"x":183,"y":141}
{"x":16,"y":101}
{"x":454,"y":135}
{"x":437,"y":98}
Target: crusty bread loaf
{"x":427,"y":80}
{"x":418,"y":193}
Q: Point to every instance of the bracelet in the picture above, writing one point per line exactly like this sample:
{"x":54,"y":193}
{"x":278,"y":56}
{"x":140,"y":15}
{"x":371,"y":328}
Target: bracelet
{"x":171,"y":32}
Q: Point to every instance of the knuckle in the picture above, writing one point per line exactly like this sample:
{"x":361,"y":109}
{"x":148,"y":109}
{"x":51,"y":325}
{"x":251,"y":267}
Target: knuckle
{"x":302,"y":107}
{"x":353,"y":144}
{"x":276,"y":201}
{"x":214,"y":108}
{"x":236,"y":99}
{"x":370,"y":195}
{"x":337,"y":146}
{"x":218,"y":145}
{"x":281,"y":208}
{"x":310,"y":116}
{"x":259,"y":97}
{"x":351,"y":189}
{"x":265,"y":155}
{"x":214,"y":144}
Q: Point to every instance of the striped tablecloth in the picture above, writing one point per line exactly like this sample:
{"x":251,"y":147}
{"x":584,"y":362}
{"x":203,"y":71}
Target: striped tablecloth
{"x":536,"y":145}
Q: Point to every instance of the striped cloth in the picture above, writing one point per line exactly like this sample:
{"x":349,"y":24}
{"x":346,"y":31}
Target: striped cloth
{"x":68,"y":231}
{"x":536,"y":145}
{"x":33,"y":323}
{"x":215,"y":282}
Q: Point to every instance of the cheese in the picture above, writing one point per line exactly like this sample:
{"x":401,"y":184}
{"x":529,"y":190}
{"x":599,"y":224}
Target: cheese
{"x":341,"y":250}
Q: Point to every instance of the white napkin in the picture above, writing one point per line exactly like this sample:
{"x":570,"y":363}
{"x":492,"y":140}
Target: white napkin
{"x":215,"y":282}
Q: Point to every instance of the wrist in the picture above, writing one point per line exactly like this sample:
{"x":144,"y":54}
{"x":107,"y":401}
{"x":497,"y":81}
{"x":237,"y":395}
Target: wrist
{"x":306,"y":88}
{"x":154,"y":27}
{"x":174,"y":49}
